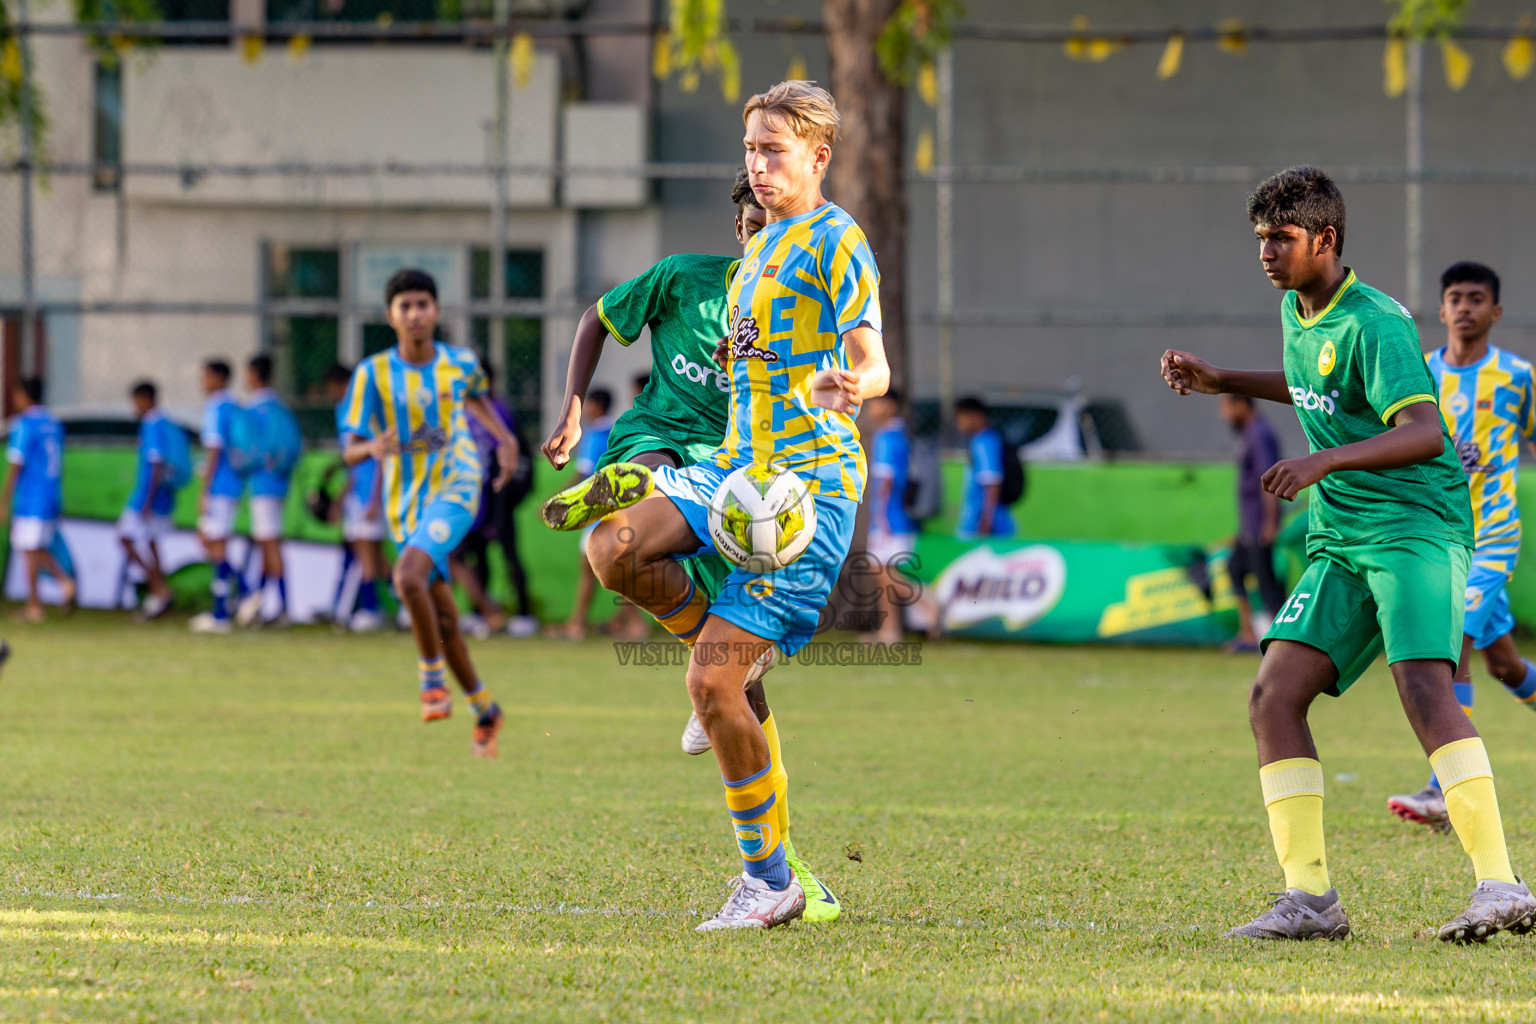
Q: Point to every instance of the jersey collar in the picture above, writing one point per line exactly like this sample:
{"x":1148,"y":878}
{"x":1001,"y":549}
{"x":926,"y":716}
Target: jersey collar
{"x":1349,"y":282}
{"x":1491,"y":354}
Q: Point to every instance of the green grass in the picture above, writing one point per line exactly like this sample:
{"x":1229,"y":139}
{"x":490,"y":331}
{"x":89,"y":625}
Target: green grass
{"x":258,"y":828}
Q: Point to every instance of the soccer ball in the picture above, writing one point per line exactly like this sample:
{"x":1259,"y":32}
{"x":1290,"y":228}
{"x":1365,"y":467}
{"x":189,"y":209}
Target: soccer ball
{"x":762,"y":518}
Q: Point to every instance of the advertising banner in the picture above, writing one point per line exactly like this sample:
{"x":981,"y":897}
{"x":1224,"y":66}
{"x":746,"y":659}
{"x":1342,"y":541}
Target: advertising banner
{"x":1073,"y":592}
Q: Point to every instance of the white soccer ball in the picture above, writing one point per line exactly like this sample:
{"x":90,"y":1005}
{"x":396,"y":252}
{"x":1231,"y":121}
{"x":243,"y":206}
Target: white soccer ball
{"x":762,"y":518}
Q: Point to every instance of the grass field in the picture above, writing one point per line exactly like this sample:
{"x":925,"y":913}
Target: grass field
{"x":258,"y":828}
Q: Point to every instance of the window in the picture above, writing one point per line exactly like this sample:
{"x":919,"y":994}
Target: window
{"x":303,"y":329}
{"x":524,"y":273}
{"x":107,"y":125}
{"x":21,"y":360}
{"x":522,"y":346}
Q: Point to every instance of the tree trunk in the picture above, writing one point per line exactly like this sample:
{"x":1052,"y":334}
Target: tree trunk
{"x":865,"y":176}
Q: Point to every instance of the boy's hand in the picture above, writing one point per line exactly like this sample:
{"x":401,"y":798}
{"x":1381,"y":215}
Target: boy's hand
{"x":723,"y":353}
{"x":385,"y":445}
{"x":1287,"y":479}
{"x":1185,"y":373}
{"x":506,"y":460}
{"x":836,"y":389}
{"x":561,"y":442}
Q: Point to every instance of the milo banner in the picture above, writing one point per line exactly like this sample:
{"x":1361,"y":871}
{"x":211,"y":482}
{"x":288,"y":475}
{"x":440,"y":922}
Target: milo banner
{"x":1073,"y":592}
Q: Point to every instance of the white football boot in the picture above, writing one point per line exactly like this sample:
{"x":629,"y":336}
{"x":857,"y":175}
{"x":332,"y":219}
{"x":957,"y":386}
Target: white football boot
{"x":754,"y":904}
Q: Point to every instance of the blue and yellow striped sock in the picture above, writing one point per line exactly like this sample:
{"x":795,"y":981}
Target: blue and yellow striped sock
{"x":433,"y":673}
{"x":479,"y":699}
{"x":752,"y":802}
{"x":687,"y":619}
{"x":1525,"y":690}
{"x":1464,"y":698}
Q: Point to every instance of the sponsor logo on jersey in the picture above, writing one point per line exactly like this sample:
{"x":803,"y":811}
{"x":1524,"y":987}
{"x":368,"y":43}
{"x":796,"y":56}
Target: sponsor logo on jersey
{"x":749,"y":270}
{"x":1458,"y":404}
{"x":760,"y":588}
{"x":744,"y":335}
{"x":439,"y":531}
{"x":424,"y":440}
{"x":685,"y":367}
{"x":1327,"y":358}
{"x":1306,"y":398}
{"x":422,"y":396}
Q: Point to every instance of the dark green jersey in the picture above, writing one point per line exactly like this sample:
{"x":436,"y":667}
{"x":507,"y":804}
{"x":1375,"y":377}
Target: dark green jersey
{"x":1350,"y":370}
{"x":682,"y":300}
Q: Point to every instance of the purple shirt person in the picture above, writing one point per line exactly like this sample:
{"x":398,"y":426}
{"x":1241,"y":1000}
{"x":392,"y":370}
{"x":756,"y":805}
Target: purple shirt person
{"x":1258,"y":516}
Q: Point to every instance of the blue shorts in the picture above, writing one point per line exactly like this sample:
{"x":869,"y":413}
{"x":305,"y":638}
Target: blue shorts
{"x":783,"y":606}
{"x":442,"y":527}
{"x":1488,"y":615}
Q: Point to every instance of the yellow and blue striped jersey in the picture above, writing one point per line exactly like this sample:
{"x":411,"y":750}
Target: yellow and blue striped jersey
{"x":803,"y":283}
{"x":1490,"y":407}
{"x":424,"y":406}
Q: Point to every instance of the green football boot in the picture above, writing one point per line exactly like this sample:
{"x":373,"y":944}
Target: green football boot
{"x":603,"y":493}
{"x":820,"y":904}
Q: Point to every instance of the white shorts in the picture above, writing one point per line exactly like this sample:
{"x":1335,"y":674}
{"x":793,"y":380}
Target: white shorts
{"x":355,"y":524}
{"x":141,"y":529}
{"x":266,"y":518}
{"x":886,"y":548}
{"x":218,"y":519}
{"x":29,"y":533}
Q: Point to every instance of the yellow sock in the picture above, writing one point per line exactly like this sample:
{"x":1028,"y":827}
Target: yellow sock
{"x":687,"y":619}
{"x":777,"y":773}
{"x":1466,"y":778}
{"x":752,"y":802}
{"x":1293,"y":795}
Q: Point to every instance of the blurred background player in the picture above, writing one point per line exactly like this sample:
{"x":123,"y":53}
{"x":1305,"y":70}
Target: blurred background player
{"x":33,"y":496}
{"x":983,"y":509}
{"x":496,"y":523}
{"x":432,"y":478}
{"x":892,"y":532}
{"x":1489,"y":405}
{"x":794,"y":393}
{"x":278,"y":444}
{"x":164,"y":466}
{"x":220,"y":498}
{"x":362,"y":521}
{"x":1258,"y":519}
{"x":678,"y":415}
{"x":590,"y":449}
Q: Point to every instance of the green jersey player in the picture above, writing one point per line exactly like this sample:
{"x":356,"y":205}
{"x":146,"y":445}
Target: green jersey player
{"x":1388,"y":546}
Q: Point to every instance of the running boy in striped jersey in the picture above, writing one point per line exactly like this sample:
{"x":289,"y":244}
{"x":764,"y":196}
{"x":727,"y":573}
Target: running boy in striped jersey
{"x":803,"y":350}
{"x":406,"y":410}
{"x":1489,"y":404}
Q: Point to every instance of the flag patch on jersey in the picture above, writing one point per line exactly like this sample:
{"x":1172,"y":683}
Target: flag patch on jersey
{"x":1485,"y":403}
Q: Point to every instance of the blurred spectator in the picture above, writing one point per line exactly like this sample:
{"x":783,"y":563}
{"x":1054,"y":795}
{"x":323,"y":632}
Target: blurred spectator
{"x":278,"y":443}
{"x":362,"y":522}
{"x":222,"y":486}
{"x":594,"y":441}
{"x":496,"y":522}
{"x":892,"y":532}
{"x":164,"y":467}
{"x":1258,"y":517}
{"x":984,"y":508}
{"x":33,"y":496}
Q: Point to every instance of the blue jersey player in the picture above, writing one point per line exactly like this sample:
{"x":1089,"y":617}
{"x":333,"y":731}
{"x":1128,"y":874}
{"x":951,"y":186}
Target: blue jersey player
{"x":406,"y":410}
{"x":34,"y":491}
{"x":1488,"y":399}
{"x":164,"y":464}
{"x":220,"y":497}
{"x":803,"y":350}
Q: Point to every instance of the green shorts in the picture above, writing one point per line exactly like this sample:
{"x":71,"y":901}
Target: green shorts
{"x":1406,"y":597}
{"x":632,"y":436}
{"x":635,"y":435}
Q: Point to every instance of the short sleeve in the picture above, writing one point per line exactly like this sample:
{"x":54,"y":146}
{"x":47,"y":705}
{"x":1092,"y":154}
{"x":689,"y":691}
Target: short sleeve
{"x":627,"y":308}
{"x":987,"y":457}
{"x":154,"y":441}
{"x":361,"y":406}
{"x":16,"y":446}
{"x":213,"y":427}
{"x":882,"y":462}
{"x":475,"y":383}
{"x":1393,"y":367}
{"x":852,"y":281}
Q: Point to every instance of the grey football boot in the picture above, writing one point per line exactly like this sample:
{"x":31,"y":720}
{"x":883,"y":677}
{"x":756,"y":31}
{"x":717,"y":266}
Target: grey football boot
{"x":1297,"y":914}
{"x":1495,"y":907}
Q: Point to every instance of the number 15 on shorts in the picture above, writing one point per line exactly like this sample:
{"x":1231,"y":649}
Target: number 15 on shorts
{"x":1295,"y":605}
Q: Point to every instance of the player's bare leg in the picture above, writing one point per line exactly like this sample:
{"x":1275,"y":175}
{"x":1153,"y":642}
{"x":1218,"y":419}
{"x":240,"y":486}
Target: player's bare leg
{"x":413,"y":575}
{"x":633,"y":554}
{"x":488,"y":716}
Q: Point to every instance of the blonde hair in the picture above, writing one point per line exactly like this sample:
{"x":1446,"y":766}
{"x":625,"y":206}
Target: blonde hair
{"x":808,"y":109}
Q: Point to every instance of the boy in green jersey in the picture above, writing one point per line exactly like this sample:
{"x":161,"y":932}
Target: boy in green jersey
{"x":1389,"y":545}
